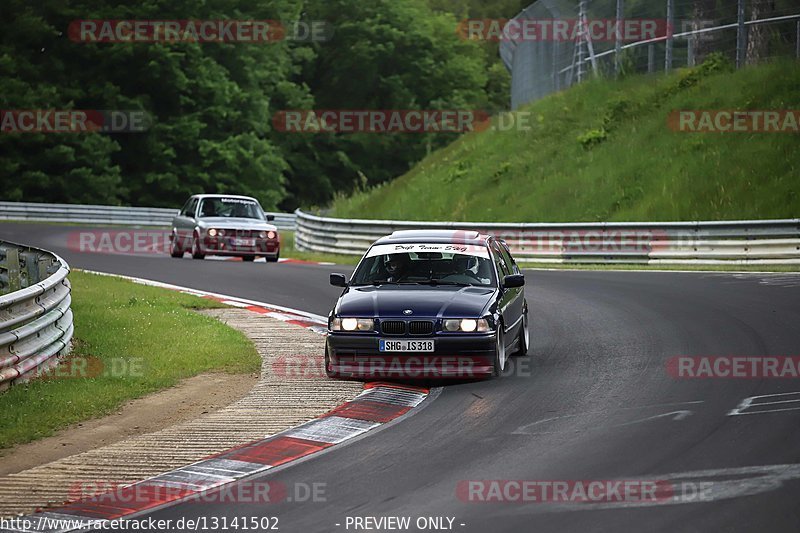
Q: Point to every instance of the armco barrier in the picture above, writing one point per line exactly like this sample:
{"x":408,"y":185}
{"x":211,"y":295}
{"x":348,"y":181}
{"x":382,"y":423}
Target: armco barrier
{"x":105,"y":214}
{"x":724,"y":242}
{"x":35,"y":316}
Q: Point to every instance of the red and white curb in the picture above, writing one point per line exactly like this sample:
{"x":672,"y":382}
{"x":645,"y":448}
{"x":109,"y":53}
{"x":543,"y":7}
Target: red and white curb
{"x":379,"y":404}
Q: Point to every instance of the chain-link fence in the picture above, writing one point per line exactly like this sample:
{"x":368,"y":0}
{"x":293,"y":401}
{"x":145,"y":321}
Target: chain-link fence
{"x":553,"y":44}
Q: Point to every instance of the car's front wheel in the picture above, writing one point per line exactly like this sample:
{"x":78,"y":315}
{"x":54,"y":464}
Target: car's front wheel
{"x":499,"y":353}
{"x":175,"y":249}
{"x":271,"y":259}
{"x":197,"y":251}
{"x":248,"y":258}
{"x":329,"y":371}
{"x":524,"y":338}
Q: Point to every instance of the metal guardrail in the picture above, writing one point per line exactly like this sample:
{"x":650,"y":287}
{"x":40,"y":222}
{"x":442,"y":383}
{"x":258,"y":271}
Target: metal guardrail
{"x":105,"y":214}
{"x":723,"y":242}
{"x":35,"y":316}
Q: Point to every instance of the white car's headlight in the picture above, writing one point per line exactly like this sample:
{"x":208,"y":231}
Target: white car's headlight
{"x":352,"y":324}
{"x":467,"y":325}
{"x":212,"y":232}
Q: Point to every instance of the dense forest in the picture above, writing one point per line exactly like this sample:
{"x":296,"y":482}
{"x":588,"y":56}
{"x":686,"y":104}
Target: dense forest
{"x":211,"y":104}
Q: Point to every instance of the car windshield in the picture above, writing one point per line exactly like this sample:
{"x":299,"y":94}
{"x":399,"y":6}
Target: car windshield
{"x":418,"y":267}
{"x":230,"y":208}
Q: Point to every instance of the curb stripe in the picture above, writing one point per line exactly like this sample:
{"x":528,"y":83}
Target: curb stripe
{"x":276,"y":452}
{"x":332,"y":429}
{"x":369,"y":411}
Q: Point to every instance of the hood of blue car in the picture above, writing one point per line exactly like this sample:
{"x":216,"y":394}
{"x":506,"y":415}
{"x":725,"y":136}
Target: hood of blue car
{"x":423,"y":301}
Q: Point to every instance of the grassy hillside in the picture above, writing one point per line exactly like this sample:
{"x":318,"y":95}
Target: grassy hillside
{"x":602,"y":151}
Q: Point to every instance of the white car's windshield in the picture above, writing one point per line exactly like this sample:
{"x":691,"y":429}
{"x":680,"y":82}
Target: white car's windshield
{"x":231,"y":208}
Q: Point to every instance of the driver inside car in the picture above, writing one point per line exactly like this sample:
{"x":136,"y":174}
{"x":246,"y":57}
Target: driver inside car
{"x":468,"y":266}
{"x":396,"y":266}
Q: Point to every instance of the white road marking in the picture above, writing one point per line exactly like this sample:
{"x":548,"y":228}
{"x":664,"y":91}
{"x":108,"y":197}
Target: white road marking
{"x":714,"y":485}
{"x":750,"y":402}
{"x":676,"y":416}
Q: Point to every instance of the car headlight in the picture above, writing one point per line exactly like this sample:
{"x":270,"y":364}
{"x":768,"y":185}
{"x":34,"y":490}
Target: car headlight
{"x":271,"y":235}
{"x":352,"y":324}
{"x":212,"y":232}
{"x":467,"y":325}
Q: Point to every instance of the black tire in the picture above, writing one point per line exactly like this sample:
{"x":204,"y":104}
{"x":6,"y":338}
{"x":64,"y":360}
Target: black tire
{"x":328,"y":371}
{"x":524,"y":337}
{"x":175,"y":249}
{"x":274,"y":259}
{"x":499,"y":354}
{"x":248,"y":258}
{"x":197,"y":253}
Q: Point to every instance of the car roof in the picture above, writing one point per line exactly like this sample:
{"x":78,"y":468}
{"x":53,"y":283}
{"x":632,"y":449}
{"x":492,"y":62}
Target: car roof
{"x":224,"y":196}
{"x":439,"y":236}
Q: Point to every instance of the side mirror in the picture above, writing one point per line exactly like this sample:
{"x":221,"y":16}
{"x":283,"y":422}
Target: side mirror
{"x":338,"y":280}
{"x":513,"y":281}
{"x":270,"y":218}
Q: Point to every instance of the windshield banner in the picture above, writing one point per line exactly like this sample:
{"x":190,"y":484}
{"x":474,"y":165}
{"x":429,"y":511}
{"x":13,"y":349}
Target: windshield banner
{"x":445,"y":248}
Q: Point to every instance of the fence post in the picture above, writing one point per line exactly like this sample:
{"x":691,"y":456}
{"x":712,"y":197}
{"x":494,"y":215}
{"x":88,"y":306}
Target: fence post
{"x":740,"y":34}
{"x":651,"y":58}
{"x":12,"y":266}
{"x":31,"y":270}
{"x":43,"y":264}
{"x":618,"y":38}
{"x":555,"y":66}
{"x":690,"y":51}
{"x":797,"y":41}
{"x":580,"y":43}
{"x":670,"y":32}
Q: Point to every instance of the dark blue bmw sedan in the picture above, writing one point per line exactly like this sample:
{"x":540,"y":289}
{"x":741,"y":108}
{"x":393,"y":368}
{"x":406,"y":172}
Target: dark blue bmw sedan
{"x":428,"y":304}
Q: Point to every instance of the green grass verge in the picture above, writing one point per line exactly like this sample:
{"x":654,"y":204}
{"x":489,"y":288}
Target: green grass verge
{"x":602,"y":151}
{"x":147,"y":339}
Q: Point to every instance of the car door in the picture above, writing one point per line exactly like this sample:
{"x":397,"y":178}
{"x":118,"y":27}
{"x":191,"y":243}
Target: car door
{"x":508,"y":297}
{"x":185,"y":221}
{"x":519,"y":301}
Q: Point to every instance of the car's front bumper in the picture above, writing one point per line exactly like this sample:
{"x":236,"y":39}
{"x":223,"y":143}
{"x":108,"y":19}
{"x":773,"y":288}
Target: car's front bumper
{"x":227,"y":246}
{"x":460,"y":356}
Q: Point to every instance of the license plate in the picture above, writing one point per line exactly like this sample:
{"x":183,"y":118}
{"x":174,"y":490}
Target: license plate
{"x":244,"y":242}
{"x":390,"y":345}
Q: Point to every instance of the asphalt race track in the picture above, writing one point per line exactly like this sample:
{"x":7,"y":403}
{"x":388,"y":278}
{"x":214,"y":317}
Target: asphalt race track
{"x":592,"y":400}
